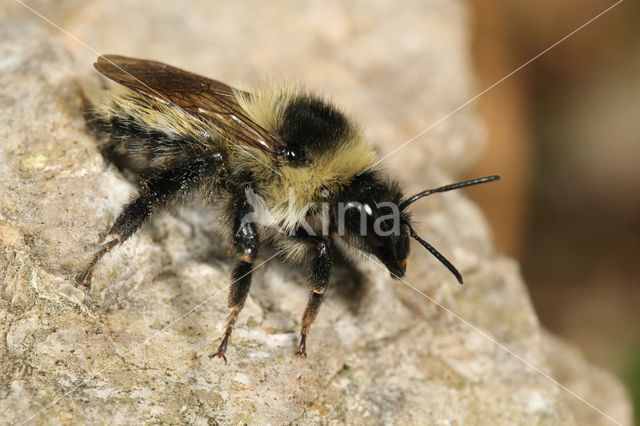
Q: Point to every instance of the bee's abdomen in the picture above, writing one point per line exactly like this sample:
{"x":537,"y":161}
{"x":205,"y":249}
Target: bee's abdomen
{"x":132,"y":144}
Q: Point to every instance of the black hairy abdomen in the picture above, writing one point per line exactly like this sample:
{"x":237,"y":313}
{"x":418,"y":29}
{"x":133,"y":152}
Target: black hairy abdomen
{"x":132,"y":145}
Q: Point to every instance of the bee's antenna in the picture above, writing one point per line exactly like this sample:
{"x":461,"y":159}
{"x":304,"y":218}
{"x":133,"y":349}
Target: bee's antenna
{"x":436,"y":253}
{"x":445,"y":188}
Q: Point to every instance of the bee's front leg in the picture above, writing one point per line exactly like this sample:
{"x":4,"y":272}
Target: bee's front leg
{"x":246,"y":242}
{"x":319,"y":279}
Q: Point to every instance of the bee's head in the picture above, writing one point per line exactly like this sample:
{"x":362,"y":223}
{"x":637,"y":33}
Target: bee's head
{"x":369,"y":217}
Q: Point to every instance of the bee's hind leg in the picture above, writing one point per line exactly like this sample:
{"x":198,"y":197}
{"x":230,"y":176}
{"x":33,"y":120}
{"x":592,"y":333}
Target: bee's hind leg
{"x":155,"y":193}
{"x":246,"y":242}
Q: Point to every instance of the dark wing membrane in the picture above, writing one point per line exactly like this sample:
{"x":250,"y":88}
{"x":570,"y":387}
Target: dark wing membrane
{"x":198,"y":95}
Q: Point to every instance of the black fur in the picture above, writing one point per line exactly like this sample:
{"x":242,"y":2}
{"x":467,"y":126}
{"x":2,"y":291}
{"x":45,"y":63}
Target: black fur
{"x":321,"y":261}
{"x":372,"y":185}
{"x":369,"y":190}
{"x":312,"y":127}
{"x":245,"y":238}
{"x":162,"y":189}
{"x":140,"y":148}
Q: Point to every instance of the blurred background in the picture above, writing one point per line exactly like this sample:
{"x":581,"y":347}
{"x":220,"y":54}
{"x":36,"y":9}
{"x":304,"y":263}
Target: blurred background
{"x":565,"y":134}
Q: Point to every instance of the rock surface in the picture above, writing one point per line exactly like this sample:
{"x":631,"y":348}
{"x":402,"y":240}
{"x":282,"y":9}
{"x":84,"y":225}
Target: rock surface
{"x":135,"y":347}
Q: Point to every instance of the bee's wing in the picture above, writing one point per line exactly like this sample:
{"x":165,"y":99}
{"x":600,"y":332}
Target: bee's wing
{"x":198,"y":95}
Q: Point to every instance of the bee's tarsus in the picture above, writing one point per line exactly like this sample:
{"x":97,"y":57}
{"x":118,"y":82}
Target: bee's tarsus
{"x":84,"y":277}
{"x":222,"y":349}
{"x":302,"y":347}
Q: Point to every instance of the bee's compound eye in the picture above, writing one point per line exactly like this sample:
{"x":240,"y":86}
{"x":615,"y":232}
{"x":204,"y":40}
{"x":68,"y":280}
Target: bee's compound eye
{"x":294,"y":154}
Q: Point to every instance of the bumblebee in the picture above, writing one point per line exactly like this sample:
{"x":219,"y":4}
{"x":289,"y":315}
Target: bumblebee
{"x":276,"y":165}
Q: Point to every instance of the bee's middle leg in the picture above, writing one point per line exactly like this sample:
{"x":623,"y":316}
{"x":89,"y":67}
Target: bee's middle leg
{"x":246,"y":242}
